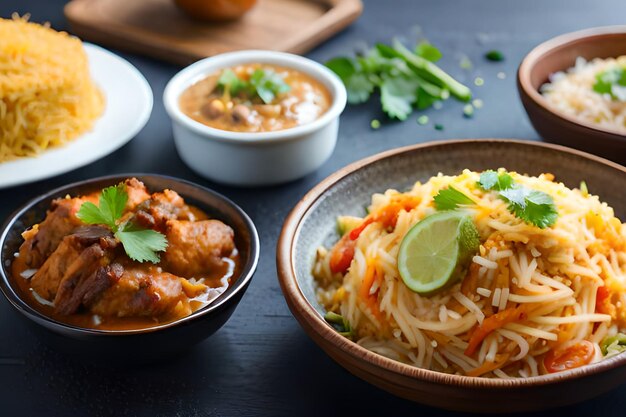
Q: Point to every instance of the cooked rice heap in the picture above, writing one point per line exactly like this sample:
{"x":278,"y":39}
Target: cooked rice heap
{"x":538,"y":289}
{"x":571,"y":92}
{"x":47,"y":97}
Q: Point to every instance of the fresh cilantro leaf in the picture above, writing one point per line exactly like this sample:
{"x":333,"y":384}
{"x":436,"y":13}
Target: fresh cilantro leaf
{"x":111,"y":202}
{"x":359,"y":85}
{"x":268,"y":84}
{"x":492,"y":180}
{"x":427,"y":51}
{"x":612,"y":82}
{"x":397,"y":96}
{"x":141,"y":244}
{"x":450,"y":198}
{"x":89,"y":213}
{"x":533,"y":207}
{"x":229,"y":81}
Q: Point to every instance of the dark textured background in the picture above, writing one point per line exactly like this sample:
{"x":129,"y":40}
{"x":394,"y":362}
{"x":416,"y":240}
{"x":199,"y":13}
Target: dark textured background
{"x":261,"y":362}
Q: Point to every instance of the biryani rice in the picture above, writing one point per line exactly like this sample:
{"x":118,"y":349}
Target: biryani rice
{"x":552,"y":274}
{"x":47,"y":97}
{"x":571,"y":92}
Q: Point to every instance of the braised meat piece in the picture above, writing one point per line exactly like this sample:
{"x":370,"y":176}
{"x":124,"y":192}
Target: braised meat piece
{"x":196,"y":248}
{"x":161,"y":207}
{"x":137,"y":193}
{"x":140,"y":291}
{"x":86,"y":285}
{"x":44,"y":238}
{"x":66,"y":276}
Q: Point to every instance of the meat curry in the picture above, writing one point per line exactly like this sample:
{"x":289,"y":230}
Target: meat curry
{"x":79,"y":274}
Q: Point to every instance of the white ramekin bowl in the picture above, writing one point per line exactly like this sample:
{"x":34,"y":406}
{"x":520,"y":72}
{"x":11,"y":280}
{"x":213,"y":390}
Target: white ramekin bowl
{"x":248,"y":159}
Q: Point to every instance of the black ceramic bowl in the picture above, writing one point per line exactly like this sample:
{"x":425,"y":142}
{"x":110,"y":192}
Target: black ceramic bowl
{"x":143,"y":344}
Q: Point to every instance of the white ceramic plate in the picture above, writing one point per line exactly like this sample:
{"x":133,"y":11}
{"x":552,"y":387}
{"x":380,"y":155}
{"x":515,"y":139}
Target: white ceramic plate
{"x":128,"y":106}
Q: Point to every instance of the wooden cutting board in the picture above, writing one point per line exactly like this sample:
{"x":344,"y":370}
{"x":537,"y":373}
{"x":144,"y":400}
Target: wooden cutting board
{"x":158,"y":29}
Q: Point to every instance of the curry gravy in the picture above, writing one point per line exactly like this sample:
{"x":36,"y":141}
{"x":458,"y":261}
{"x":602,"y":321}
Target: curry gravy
{"x":306,"y":100}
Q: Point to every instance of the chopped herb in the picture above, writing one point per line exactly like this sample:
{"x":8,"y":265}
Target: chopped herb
{"x":422,"y":120}
{"x":468,"y":110}
{"x":438,"y":126}
{"x":140,"y":244}
{"x":495,"y":56}
{"x":406,"y":79}
{"x":266,"y":84}
{"x":613,"y":345}
{"x":478,"y":81}
{"x":427,"y":51}
{"x":583,"y":188}
{"x":339,"y":323}
{"x":534,"y":207}
{"x":375,"y":124}
{"x":465,"y":63}
{"x":612,"y":82}
{"x":491,"y":180}
{"x":450,"y":198}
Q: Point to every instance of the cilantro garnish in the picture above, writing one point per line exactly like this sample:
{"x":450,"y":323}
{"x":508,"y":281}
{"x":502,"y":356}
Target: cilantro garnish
{"x":264,"y":83}
{"x":139,"y":244}
{"x":532,"y":206}
{"x":406,"y":79}
{"x":612,"y":82}
{"x":450,"y":198}
{"x":494,"y":55}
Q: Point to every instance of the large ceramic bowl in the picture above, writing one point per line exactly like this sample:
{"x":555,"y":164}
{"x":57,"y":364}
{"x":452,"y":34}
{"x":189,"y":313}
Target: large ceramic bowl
{"x":254,"y":158}
{"x":559,"y":54}
{"x":313,"y":222}
{"x":143,"y":344}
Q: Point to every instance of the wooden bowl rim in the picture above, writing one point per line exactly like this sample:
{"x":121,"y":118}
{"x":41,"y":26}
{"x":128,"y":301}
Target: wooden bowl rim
{"x":559,"y":43}
{"x":305,"y":312}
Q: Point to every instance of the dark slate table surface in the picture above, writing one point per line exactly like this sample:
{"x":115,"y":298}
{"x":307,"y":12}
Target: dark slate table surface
{"x":261,"y":362}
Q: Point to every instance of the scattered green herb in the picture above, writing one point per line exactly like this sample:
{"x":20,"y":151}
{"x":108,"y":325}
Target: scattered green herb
{"x":491,"y":180}
{"x":612,"y":82}
{"x":533,"y":207}
{"x":339,"y":323}
{"x":468,"y":111}
{"x":140,"y":244}
{"x":613,"y":345}
{"x":450,"y":198}
{"x":583,"y":188}
{"x":495,"y":56}
{"x":266,"y":84}
{"x":438,"y":126}
{"x":422,"y":120}
{"x":375,"y":124}
{"x":406,"y":79}
{"x":478,"y":81}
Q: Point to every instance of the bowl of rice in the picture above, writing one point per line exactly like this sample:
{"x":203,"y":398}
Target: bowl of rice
{"x":535,"y":318}
{"x":573,"y":92}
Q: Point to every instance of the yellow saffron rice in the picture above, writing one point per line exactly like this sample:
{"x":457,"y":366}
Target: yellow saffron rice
{"x":47,"y":97}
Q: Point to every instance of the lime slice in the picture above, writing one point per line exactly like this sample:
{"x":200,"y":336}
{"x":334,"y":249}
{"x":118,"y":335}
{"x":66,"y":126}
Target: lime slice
{"x":437,"y":250}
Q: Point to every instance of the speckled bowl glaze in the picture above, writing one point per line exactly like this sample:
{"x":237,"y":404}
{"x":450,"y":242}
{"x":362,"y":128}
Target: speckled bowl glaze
{"x":141,"y":345}
{"x":559,"y":54}
{"x":312,"y":223}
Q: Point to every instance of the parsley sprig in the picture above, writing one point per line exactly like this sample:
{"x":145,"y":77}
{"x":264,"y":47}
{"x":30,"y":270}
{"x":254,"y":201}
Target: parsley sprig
{"x":263,"y":83}
{"x":406,"y":79}
{"x":532,"y":206}
{"x":139,"y":244}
